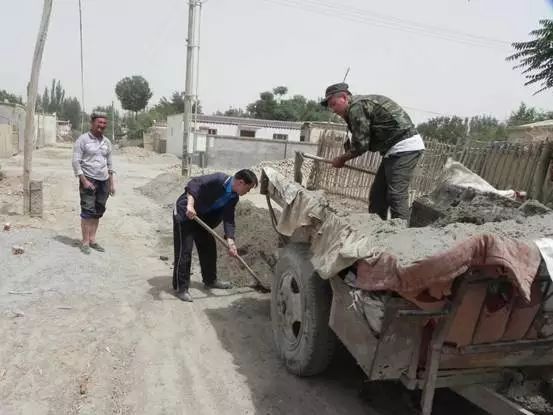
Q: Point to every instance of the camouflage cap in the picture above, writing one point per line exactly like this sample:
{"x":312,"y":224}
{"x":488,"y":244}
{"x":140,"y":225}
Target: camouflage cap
{"x":333,"y":90}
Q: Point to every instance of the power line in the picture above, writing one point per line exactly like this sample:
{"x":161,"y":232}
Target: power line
{"x":434,"y":28}
{"x":389,"y":22}
{"x":365,"y":16}
{"x":82,"y":65}
{"x":442,"y":114}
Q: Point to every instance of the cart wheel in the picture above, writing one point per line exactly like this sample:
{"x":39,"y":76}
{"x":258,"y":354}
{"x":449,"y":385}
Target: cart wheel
{"x":300,"y":309}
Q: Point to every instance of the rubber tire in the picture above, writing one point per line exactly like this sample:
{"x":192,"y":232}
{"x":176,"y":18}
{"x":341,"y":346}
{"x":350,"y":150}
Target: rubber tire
{"x":314,"y":352}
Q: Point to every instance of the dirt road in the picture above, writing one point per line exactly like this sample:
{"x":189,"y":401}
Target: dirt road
{"x":103,"y":334}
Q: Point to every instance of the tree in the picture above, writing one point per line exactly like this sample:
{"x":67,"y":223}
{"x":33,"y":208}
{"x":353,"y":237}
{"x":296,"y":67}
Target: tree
{"x":272,"y":106}
{"x":486,"y":128}
{"x":535,"y":57}
{"x":452,"y":130}
{"x":172,"y":106}
{"x":11,"y":98}
{"x":233,"y":112}
{"x":523,"y":115}
{"x":45,"y":101}
{"x":71,"y":110}
{"x":527,"y":115}
{"x":137,"y":126}
{"x":54,"y":101}
{"x":134,"y":93}
{"x":444,"y":129}
{"x":264,"y":107}
{"x":280,"y":91}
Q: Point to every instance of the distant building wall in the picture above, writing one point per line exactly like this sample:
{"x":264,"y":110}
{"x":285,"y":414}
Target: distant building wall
{"x":234,"y":153}
{"x":9,"y":140}
{"x":45,"y":130}
{"x":311,"y":132}
{"x":153,"y":136}
{"x":534,"y":132}
{"x":14,"y":114}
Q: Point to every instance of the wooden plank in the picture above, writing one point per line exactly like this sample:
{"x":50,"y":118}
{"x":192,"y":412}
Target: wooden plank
{"x":434,"y":351}
{"x":490,"y":163}
{"x":351,"y":327}
{"x":490,"y":401}
{"x":496,"y":164}
{"x":533,"y":167}
{"x":399,"y":337}
{"x":542,"y":170}
{"x":298,"y":162}
{"x":486,"y":164}
{"x":525,"y":170}
{"x":500,"y":164}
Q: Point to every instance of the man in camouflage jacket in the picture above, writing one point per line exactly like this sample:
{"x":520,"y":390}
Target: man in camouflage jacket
{"x":378,"y":124}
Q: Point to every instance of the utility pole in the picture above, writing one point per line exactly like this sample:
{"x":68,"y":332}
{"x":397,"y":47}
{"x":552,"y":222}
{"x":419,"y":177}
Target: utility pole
{"x":192,"y":48}
{"x":82,"y":65}
{"x":112,"y":122}
{"x":31,"y":102}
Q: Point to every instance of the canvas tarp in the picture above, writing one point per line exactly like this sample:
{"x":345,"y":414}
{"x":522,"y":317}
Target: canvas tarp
{"x":429,"y":260}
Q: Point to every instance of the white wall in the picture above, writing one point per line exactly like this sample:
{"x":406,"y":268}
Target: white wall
{"x":45,"y":130}
{"x":232,"y":130}
{"x":175,"y":131}
{"x":174,"y":135}
{"x":222,"y":129}
{"x":8,"y":141}
{"x":14,"y":114}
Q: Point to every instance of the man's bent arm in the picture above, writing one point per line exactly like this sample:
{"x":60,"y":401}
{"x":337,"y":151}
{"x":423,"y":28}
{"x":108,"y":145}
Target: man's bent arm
{"x":228,"y":220}
{"x":360,"y":127}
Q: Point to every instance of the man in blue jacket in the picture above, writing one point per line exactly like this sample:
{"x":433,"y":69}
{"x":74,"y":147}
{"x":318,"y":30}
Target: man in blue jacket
{"x":213,"y":199}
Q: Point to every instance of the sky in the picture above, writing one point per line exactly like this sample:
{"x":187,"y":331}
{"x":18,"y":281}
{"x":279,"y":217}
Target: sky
{"x":431,"y":56}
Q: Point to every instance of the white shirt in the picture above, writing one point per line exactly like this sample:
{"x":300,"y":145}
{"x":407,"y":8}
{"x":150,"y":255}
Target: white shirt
{"x":414,"y":143}
{"x":92,"y":157}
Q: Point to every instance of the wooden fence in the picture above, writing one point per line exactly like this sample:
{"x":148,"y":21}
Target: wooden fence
{"x":505,"y":165}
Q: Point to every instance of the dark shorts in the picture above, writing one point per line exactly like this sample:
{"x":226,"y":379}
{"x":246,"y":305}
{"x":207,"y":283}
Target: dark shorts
{"x":93,"y":202}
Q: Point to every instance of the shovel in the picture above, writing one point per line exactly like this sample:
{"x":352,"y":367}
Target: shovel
{"x":347,"y":166}
{"x":258,"y":284}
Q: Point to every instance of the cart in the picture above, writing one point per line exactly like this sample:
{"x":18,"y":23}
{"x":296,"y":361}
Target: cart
{"x":465,"y":343}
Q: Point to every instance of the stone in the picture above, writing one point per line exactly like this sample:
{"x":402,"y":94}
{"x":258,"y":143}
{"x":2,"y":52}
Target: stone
{"x":17,"y":250}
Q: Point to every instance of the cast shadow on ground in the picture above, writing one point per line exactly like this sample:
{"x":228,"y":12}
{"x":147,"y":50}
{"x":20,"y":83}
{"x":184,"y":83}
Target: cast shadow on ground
{"x":244,"y":330}
{"x":66,"y":240}
{"x":164,"y":284}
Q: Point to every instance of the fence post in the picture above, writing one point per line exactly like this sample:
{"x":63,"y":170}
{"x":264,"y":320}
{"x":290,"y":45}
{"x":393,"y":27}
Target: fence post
{"x":457,"y":148}
{"x":542,"y":171}
{"x":298,"y":162}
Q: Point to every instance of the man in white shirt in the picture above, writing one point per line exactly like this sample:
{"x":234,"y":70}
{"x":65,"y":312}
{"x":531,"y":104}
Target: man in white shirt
{"x":378,"y":124}
{"x":92,"y":164}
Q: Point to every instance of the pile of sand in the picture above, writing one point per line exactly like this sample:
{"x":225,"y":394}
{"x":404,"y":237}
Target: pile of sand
{"x":412,"y":244}
{"x":164,"y":189}
{"x":452,"y":204}
{"x":139,"y":152}
{"x":342,"y":206}
{"x":257,"y":243}
{"x":134,"y":153}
